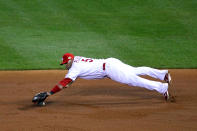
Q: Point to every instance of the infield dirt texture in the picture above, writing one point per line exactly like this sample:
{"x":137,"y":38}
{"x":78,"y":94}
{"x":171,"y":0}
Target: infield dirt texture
{"x":96,"y":105}
{"x":34,"y":34}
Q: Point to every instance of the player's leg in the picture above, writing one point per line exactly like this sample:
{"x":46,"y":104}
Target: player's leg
{"x":155,"y":73}
{"x":123,"y":73}
{"x":148,"y":84}
{"x":134,"y":80}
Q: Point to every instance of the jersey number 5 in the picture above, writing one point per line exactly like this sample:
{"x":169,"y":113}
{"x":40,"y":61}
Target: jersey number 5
{"x":87,"y":60}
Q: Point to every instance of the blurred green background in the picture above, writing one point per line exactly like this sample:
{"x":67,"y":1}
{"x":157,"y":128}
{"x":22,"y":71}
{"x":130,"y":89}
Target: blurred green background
{"x":34,"y":34}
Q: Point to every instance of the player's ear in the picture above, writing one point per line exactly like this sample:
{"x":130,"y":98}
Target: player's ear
{"x":69,"y":61}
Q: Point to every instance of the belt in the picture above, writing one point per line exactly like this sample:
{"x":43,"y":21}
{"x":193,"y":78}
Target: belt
{"x":104,"y":66}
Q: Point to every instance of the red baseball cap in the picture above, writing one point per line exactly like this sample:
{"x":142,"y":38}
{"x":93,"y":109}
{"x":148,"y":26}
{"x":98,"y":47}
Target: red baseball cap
{"x":66,"y":57}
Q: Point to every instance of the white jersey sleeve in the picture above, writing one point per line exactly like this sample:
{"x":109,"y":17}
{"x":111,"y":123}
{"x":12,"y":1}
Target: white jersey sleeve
{"x":73,"y":73}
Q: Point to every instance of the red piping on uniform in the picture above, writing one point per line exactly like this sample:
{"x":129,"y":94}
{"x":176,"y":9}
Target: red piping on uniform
{"x":104,"y":66}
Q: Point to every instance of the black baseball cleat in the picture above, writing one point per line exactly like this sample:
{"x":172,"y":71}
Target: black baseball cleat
{"x":166,"y":96}
{"x":167,"y":78}
{"x":169,"y":94}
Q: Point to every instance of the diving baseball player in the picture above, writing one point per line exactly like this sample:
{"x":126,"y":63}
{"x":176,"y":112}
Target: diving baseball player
{"x":88,"y":68}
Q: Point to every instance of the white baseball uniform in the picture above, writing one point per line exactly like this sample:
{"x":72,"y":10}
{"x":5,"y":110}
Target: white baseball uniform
{"x":88,"y":68}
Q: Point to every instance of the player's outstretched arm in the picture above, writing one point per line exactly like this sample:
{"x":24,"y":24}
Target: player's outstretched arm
{"x":66,"y":82}
{"x":40,"y":97}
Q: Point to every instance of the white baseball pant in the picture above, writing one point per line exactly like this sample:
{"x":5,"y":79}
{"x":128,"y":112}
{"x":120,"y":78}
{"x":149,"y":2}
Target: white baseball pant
{"x":126,"y":74}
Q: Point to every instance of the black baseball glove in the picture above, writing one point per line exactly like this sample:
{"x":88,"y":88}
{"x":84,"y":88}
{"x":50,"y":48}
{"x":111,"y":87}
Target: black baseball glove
{"x":40,"y":97}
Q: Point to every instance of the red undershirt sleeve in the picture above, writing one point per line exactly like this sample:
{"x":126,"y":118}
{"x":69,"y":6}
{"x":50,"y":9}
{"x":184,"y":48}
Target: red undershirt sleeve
{"x":63,"y":83}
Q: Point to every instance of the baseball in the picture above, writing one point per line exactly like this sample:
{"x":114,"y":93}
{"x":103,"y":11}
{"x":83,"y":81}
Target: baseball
{"x":42,"y":104}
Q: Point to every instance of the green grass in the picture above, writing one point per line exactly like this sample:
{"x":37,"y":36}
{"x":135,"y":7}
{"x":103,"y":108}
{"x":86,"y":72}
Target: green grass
{"x":35,"y":34}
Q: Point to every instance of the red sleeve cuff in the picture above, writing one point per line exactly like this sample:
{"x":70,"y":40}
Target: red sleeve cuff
{"x":63,"y":82}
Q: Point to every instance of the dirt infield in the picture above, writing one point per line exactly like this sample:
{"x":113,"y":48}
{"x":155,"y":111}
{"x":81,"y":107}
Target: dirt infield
{"x":94,"y":105}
